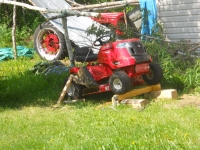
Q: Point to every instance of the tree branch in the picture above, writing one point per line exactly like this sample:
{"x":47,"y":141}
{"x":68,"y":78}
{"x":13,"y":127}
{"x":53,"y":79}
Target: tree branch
{"x":110,"y":7}
{"x":106,"y":4}
{"x":45,"y":10}
{"x":14,"y":32}
{"x":73,"y":3}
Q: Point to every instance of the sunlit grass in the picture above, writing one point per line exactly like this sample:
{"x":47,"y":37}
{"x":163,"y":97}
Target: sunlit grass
{"x":28,"y":119}
{"x":72,"y":128}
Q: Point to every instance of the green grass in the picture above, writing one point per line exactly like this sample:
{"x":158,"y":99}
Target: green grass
{"x":28,"y":120}
{"x":72,"y":127}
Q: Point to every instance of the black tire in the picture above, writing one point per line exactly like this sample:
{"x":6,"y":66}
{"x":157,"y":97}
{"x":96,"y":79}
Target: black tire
{"x":120,"y":82}
{"x":49,"y":42}
{"x":155,"y":74}
{"x":75,"y":91}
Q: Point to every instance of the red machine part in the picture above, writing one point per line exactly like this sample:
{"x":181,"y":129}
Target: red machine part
{"x":50,"y":43}
{"x":136,"y":70}
{"x":97,"y":71}
{"x":104,"y":88}
{"x":100,"y":71}
{"x":118,"y":57}
{"x":111,"y":18}
{"x":74,"y":70}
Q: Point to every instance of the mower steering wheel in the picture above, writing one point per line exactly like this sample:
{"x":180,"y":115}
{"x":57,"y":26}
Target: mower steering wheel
{"x":102,"y":40}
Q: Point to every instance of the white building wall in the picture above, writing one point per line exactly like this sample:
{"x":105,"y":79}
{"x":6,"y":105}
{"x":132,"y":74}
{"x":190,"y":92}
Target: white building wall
{"x":180,"y":19}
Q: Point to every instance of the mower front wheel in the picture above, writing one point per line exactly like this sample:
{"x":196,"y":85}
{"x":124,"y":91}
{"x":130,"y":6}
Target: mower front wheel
{"x":155,"y":74}
{"x":120,"y":82}
{"x":75,"y":91}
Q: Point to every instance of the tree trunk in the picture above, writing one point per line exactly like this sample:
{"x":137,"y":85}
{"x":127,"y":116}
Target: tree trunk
{"x":13,"y":32}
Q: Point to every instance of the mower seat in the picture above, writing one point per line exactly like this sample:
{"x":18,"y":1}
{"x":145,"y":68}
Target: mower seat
{"x":84,"y":54}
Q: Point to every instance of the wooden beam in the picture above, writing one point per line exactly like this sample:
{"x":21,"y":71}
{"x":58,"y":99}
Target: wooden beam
{"x":135,"y":92}
{"x":64,"y":91}
{"x":106,"y":4}
{"x":73,"y":3}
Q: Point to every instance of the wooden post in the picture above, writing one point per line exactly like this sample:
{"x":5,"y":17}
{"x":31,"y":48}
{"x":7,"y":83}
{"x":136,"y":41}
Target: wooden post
{"x":64,"y":91}
{"x":68,"y":43}
{"x":13,"y":32}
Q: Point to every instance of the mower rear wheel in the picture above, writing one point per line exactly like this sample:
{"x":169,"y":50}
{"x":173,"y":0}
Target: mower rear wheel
{"x":75,"y":91}
{"x":120,"y":82}
{"x":49,"y":42}
{"x":155,"y":74}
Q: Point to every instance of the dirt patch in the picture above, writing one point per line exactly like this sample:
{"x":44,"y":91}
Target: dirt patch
{"x":189,"y":100}
{"x":184,"y":101}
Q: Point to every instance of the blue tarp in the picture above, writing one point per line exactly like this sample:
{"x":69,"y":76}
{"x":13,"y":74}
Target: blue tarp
{"x":149,"y":16}
{"x":7,"y":53}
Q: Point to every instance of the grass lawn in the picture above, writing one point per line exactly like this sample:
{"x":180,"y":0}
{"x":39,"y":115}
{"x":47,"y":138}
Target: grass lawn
{"x":28,"y":120}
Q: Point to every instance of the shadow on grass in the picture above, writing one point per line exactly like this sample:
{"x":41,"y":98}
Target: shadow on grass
{"x":93,"y":100}
{"x":27,"y":89}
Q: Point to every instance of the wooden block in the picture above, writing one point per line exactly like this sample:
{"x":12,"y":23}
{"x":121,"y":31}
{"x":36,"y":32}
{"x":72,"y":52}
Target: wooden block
{"x":163,"y":94}
{"x":136,"y":103}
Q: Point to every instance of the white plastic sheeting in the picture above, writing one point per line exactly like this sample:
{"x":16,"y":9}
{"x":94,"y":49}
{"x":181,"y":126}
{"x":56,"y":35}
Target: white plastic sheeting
{"x":77,"y":26}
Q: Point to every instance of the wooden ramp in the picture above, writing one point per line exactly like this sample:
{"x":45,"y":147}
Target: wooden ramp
{"x":118,"y":98}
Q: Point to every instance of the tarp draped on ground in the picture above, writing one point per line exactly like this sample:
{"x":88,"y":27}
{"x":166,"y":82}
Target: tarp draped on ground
{"x":7,"y":53}
{"x":46,"y":68}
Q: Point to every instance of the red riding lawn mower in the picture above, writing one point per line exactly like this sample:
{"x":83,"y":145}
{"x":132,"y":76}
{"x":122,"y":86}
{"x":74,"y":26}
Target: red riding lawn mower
{"x":117,"y":67}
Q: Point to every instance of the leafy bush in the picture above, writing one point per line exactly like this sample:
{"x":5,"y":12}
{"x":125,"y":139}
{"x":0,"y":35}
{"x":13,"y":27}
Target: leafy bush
{"x":192,"y":76}
{"x":23,"y":36}
{"x":25,"y":17}
{"x":180,"y":71}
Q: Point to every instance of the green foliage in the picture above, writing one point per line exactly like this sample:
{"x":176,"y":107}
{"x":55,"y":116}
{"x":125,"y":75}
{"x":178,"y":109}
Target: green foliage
{"x":6,"y":36}
{"x":23,"y":36}
{"x":99,"y":31}
{"x":192,"y":76}
{"x":25,"y":17}
{"x":180,"y":71}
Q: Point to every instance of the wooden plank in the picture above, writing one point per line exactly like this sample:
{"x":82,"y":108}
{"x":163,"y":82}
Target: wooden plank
{"x":179,"y":7}
{"x":191,"y":40}
{"x":177,"y":2}
{"x":180,"y":18}
{"x":179,"y":13}
{"x":180,"y":36}
{"x":181,"y":24}
{"x":136,"y":92}
{"x":182,"y":30}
